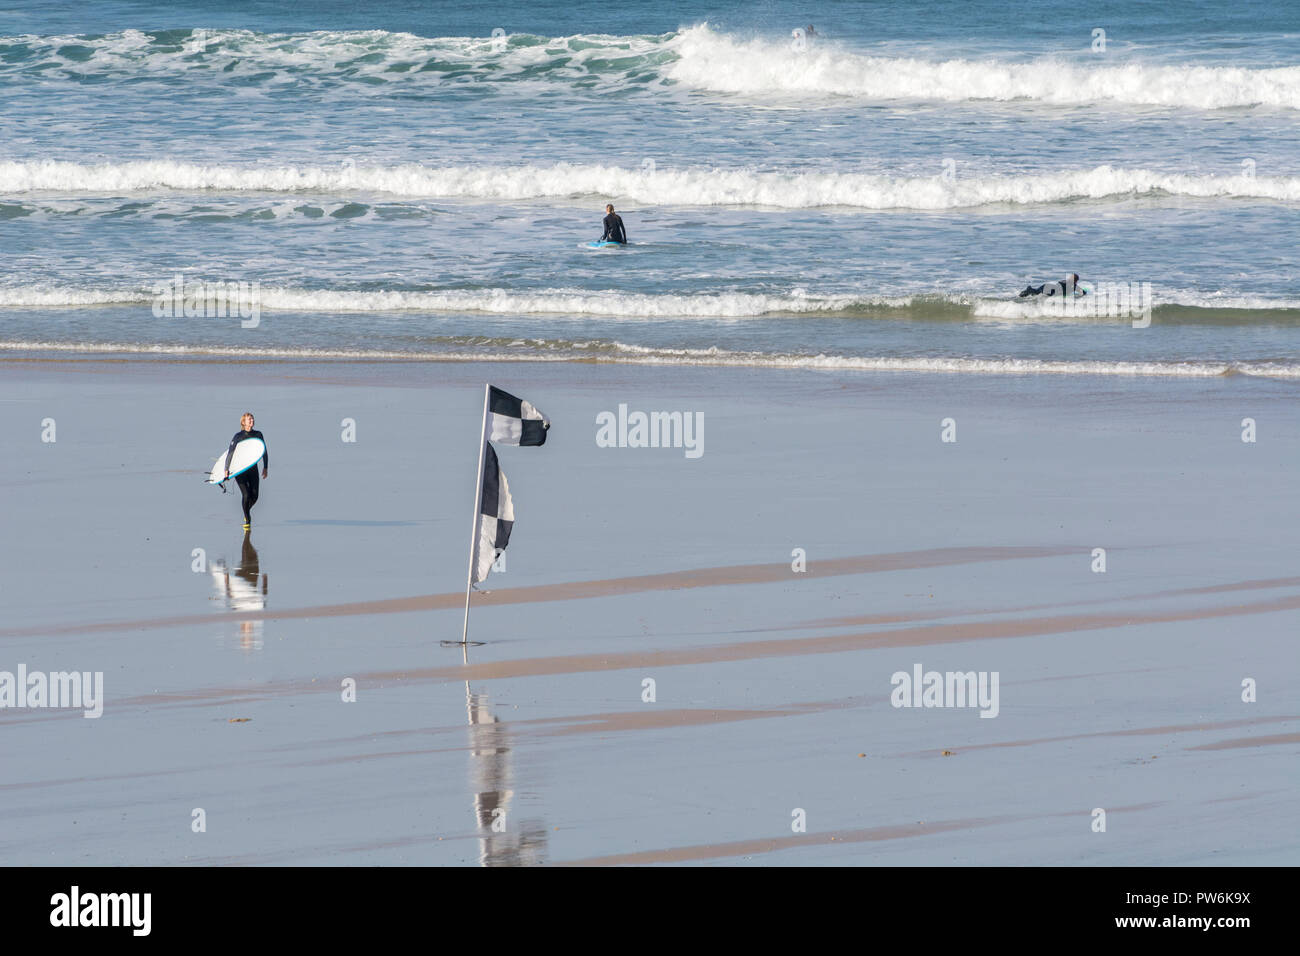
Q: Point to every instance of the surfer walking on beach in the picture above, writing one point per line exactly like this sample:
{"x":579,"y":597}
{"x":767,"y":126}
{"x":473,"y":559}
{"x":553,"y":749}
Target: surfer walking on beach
{"x":613,"y":227}
{"x":247,"y":480}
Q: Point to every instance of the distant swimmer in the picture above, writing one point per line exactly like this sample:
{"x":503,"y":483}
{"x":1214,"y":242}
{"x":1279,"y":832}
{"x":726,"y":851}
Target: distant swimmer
{"x":614,"y":231}
{"x":1064,"y":287}
{"x":247,"y":480}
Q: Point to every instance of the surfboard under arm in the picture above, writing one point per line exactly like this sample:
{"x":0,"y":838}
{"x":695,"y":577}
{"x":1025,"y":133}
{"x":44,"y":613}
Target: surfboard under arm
{"x":247,"y":454}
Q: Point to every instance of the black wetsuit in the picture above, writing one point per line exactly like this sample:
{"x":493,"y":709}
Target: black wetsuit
{"x":614,"y":229}
{"x":1049,"y":289}
{"x":248,"y":481}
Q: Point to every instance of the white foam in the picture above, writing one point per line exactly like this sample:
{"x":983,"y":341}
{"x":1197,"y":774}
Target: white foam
{"x":691,"y":186}
{"x":1095,"y":306}
{"x":622,"y":354}
{"x":696,"y":58}
{"x":494,"y":301}
{"x":46,"y":296}
{"x":719,"y":62}
{"x":340,"y":56}
{"x":613,"y":303}
{"x":572,"y":302}
{"x":1194,"y":299}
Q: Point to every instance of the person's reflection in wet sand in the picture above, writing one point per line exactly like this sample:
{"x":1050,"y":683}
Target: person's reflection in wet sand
{"x":244,"y":589}
{"x":502,"y":840}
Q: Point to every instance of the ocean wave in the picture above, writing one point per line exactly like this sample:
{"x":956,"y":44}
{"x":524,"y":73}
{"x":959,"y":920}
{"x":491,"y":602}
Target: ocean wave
{"x":325,"y":58}
{"x":1171,"y":306}
{"x":648,"y":185}
{"x":493,"y":301}
{"x":617,"y":353}
{"x":698,"y":58}
{"x":718,"y":62}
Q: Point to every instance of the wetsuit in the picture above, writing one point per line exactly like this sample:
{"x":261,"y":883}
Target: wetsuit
{"x":1049,"y":289}
{"x":248,"y":481}
{"x":614,"y":229}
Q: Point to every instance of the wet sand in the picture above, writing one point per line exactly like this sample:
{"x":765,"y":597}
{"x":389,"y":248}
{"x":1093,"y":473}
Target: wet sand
{"x":224,"y":682}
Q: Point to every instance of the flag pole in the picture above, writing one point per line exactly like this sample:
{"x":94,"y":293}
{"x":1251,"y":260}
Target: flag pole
{"x":478,"y":499}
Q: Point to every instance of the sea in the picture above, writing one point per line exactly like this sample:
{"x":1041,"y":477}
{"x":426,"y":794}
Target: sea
{"x":852,"y":186}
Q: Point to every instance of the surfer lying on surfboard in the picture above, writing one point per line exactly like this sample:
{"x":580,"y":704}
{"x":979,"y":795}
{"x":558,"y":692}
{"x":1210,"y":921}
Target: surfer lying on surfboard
{"x":1066,"y":287}
{"x":614,"y":231}
{"x":247,"y":481}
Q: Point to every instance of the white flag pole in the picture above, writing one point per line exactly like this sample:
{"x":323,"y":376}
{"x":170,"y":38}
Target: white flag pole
{"x":478,"y":501}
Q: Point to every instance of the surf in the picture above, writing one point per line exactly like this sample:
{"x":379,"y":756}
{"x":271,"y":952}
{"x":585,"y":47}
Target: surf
{"x":699,"y":58}
{"x":1171,"y":306}
{"x":617,"y":353}
{"x":762,"y":68}
{"x":658,"y":186}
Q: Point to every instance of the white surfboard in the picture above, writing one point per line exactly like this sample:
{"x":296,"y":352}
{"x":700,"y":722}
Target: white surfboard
{"x":247,"y":454}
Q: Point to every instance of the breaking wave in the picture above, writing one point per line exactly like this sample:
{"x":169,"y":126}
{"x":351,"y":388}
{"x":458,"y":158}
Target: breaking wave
{"x":698,"y":58}
{"x":692,"y":186}
{"x":506,"y":350}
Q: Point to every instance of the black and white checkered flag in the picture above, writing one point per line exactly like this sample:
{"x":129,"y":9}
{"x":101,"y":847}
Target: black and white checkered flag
{"x":496,"y":516}
{"x":514,"y":421}
{"x":510,"y":421}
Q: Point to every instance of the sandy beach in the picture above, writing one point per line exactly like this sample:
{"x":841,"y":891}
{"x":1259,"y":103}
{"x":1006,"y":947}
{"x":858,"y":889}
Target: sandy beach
{"x":225,"y":659}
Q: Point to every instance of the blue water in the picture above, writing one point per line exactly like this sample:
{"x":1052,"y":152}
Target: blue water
{"x":402,"y":182}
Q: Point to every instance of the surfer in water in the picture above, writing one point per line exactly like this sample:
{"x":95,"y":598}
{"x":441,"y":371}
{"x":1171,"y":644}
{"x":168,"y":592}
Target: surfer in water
{"x":247,"y":481}
{"x":613,"y":227}
{"x":1065,"y":287}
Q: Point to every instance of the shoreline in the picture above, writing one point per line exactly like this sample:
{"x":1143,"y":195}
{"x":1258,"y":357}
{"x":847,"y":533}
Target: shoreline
{"x":1268,"y":370}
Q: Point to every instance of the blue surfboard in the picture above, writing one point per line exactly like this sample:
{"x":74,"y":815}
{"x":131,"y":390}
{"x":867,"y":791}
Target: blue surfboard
{"x":603,"y":243}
